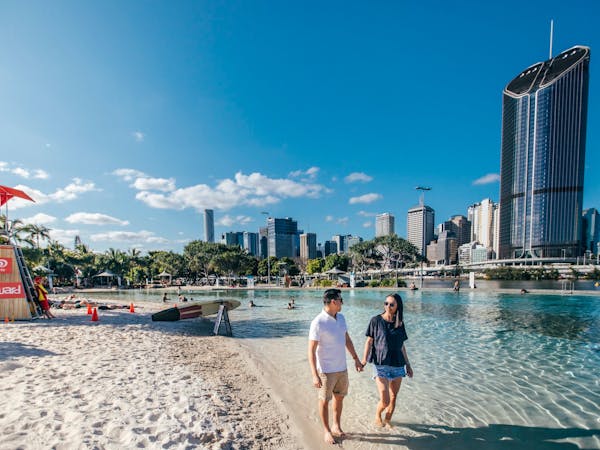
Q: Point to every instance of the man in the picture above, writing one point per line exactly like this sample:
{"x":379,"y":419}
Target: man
{"x":326,"y":341}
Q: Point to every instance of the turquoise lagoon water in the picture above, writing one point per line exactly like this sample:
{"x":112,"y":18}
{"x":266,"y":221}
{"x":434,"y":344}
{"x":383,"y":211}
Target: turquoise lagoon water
{"x":490,"y":369}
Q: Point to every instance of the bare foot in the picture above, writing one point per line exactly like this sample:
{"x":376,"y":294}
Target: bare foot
{"x":328,"y":438}
{"x":388,"y":424}
{"x":337,"y":432}
{"x":378,"y":422}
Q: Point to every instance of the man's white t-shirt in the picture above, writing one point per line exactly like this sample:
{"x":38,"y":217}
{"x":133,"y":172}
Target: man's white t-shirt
{"x":330,"y":333}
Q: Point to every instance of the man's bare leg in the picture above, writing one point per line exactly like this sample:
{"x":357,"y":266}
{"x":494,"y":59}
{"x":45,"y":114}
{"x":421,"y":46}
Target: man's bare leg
{"x":338,"y":403}
{"x":324,"y":413}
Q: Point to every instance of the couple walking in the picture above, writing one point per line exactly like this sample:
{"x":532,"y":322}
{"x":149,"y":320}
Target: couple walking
{"x":384,"y":348}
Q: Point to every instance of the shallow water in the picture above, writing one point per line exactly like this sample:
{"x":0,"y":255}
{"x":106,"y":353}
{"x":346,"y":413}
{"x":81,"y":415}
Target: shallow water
{"x":488,"y":367}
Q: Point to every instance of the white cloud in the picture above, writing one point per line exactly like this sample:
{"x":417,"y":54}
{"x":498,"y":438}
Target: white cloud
{"x":328,"y":218}
{"x":129,"y":174}
{"x":228,"y":221}
{"x":3,"y":166}
{"x":138,"y":136}
{"x":487,"y":179}
{"x":21,"y":172}
{"x":367,"y":224}
{"x":95,"y":219}
{"x":154,"y":184}
{"x":147,"y":237}
{"x":70,"y":192}
{"x":254,"y":189}
{"x":39,"y":219}
{"x":367,"y":198}
{"x":358,"y":176}
{"x":342,"y":221}
{"x":366,"y":214}
{"x":40,"y":174}
{"x":310,"y":173}
{"x":65,"y":237}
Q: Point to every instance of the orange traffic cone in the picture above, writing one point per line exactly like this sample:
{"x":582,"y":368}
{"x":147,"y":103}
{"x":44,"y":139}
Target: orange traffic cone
{"x":131,"y":308}
{"x":89,"y":308}
{"x":5,"y":319}
{"x":95,"y":315}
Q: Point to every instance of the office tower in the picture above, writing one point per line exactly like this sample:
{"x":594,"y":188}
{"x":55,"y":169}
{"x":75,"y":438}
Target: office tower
{"x":420,"y":227}
{"x":209,"y":225}
{"x":353,"y":240}
{"x":308,"y":246}
{"x":384,"y":225}
{"x":591,"y":230}
{"x":233,"y":238}
{"x":330,"y":247}
{"x":250,"y":243}
{"x":461,"y":227}
{"x":483,"y":217}
{"x":282,"y":236}
{"x":444,"y":249}
{"x":341,"y":242}
{"x":263,"y":241}
{"x":544,"y":116}
{"x":472,"y":253}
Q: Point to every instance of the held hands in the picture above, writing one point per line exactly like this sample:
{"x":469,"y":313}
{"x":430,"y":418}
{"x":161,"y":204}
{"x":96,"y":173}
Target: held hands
{"x":359,"y":366}
{"x":317,"y":381}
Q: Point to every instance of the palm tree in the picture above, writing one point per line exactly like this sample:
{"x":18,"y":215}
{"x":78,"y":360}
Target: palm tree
{"x":15,"y":230}
{"x":37,"y":232}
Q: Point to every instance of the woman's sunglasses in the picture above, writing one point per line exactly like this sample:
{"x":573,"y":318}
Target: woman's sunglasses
{"x":389,"y":304}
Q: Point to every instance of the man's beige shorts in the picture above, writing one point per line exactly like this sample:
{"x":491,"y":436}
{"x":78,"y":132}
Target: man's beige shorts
{"x":333,"y":383}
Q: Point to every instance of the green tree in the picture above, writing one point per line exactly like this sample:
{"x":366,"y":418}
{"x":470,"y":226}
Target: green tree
{"x":315,"y":266}
{"x":198,"y":256}
{"x":334,"y":260}
{"x":36,"y":232}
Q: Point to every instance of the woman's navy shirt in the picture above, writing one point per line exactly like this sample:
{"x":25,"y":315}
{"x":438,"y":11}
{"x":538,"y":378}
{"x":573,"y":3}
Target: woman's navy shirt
{"x":387,"y":342}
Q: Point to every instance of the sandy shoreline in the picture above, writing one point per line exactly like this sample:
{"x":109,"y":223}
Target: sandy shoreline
{"x":126,"y":382}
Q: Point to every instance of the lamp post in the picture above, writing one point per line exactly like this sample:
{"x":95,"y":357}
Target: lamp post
{"x":268,"y":251}
{"x":564,"y":252}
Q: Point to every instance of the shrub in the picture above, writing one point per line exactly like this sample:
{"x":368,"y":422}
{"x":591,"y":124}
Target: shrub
{"x":374,"y":283}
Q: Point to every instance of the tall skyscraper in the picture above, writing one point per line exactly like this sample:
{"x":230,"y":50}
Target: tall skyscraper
{"x":461,"y":227}
{"x":484,"y":217}
{"x":330,"y":247}
{"x":251,"y":243}
{"x":419,"y":227}
{"x":308,"y":246}
{"x":591,"y":230}
{"x":282,"y":236}
{"x":384,"y":225}
{"x":544,"y":117}
{"x":209,"y":225}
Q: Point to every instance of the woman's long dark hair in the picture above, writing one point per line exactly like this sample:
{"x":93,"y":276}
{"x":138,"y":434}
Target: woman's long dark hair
{"x":399,"y":319}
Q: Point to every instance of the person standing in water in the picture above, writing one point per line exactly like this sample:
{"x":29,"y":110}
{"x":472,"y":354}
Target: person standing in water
{"x":327,"y":339}
{"x":385,"y":349}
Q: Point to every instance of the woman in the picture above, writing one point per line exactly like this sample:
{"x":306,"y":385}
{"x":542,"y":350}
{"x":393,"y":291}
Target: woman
{"x":385,"y":349}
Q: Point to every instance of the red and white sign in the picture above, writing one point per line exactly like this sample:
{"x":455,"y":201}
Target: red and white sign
{"x":11,"y":290}
{"x":5,"y":265}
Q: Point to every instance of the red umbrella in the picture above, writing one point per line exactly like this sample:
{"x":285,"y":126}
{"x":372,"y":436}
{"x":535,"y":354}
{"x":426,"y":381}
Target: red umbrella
{"x":6,"y":193}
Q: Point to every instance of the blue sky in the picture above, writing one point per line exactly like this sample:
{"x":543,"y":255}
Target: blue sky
{"x":125,"y":119}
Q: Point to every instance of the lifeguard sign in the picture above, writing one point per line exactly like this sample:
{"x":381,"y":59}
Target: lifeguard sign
{"x":15,"y":303}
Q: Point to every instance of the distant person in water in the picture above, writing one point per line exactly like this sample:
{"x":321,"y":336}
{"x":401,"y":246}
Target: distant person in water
{"x":291,"y":305}
{"x":456,"y":286}
{"x":412,"y":286}
{"x":385,"y":349}
{"x":524,"y":291}
{"x":164,"y":299}
{"x":251,"y":304}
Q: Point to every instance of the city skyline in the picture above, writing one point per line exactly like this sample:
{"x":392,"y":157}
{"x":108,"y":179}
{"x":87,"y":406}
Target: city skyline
{"x":243,"y":108}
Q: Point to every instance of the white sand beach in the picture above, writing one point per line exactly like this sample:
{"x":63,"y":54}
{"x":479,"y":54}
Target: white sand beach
{"x":126,"y":382}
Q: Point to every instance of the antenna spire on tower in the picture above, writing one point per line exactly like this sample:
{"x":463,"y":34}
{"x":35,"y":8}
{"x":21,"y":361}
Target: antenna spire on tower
{"x":551,"y":35}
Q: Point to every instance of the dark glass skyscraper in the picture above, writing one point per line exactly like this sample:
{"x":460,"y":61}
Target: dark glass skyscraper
{"x":544,"y":115}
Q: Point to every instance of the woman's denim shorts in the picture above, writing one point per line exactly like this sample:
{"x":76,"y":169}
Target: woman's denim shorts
{"x":388,"y":372}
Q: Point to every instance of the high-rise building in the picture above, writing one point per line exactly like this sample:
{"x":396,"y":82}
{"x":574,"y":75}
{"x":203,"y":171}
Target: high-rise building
{"x":544,"y":118}
{"x":233,"y":238}
{"x":263,"y":242}
{"x":484,"y":223}
{"x":341,"y":241}
{"x":461,"y":227}
{"x":251,"y":243}
{"x":419,"y":227}
{"x":308,"y":246}
{"x":591,"y":230}
{"x":209,"y":225}
{"x":282,"y":237}
{"x":444,"y":250}
{"x":384,"y":225}
{"x":330,"y":247}
{"x":353,"y":240}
